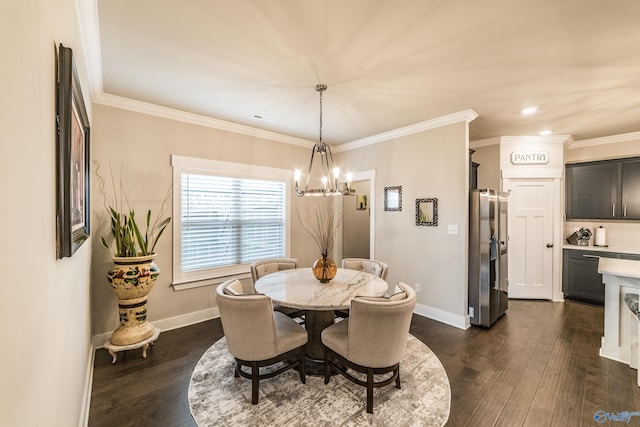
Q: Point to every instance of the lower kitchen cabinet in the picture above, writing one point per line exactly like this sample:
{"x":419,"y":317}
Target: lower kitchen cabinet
{"x":580,"y":278}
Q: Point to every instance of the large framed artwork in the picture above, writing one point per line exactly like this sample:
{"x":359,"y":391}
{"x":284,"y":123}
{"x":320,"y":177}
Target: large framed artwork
{"x":72,"y":149}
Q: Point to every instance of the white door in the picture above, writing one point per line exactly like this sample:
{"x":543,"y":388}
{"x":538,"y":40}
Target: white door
{"x":530,"y":238}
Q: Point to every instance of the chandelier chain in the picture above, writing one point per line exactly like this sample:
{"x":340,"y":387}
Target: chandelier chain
{"x":321,"y":88}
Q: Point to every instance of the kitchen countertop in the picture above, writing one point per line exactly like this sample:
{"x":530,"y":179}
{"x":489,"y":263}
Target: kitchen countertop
{"x":619,"y":267}
{"x":614,"y":249}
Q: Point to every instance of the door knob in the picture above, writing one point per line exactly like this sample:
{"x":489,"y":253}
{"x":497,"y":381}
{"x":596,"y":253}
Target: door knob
{"x":549,"y":245}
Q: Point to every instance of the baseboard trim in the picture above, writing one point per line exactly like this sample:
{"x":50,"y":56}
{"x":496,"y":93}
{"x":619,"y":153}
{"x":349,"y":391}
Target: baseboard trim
{"x":187,"y":319}
{"x":168,"y":324}
{"x":88,"y":387}
{"x":442,"y":316}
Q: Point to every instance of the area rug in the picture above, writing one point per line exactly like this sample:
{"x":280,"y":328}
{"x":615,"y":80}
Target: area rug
{"x":216,"y":398}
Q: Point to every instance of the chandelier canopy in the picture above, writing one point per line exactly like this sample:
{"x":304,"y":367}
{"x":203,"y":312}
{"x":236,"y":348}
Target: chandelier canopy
{"x":328,"y":173}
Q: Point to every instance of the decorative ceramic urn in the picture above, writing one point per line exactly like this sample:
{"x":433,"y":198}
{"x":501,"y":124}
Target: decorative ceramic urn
{"x":132,"y":279}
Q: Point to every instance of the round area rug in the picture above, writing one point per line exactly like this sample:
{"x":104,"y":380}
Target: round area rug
{"x":216,"y":398}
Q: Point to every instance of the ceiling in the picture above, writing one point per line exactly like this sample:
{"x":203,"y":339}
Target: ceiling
{"x":387,"y":64}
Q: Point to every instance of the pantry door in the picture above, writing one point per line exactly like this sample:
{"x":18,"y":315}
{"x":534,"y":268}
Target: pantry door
{"x":531,"y":248}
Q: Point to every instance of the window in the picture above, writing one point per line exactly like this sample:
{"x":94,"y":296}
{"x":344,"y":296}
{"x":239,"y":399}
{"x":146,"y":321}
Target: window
{"x":226,"y":216}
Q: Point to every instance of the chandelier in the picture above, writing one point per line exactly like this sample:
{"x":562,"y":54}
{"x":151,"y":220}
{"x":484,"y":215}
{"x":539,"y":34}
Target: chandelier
{"x":329,"y":173}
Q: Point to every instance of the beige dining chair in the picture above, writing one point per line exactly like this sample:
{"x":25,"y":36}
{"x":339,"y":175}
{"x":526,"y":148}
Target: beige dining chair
{"x":371,"y":266}
{"x":266,"y":266}
{"x":371,"y":341}
{"x":258,"y":336}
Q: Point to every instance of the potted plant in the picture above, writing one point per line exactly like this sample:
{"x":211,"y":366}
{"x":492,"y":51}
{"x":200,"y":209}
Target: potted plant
{"x":134,"y":272}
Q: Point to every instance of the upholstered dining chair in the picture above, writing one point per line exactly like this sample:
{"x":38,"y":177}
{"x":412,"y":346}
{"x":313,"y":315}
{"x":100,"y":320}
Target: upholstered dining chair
{"x":371,"y":266}
{"x":258,"y":336}
{"x":266,"y":266}
{"x":371,"y":341}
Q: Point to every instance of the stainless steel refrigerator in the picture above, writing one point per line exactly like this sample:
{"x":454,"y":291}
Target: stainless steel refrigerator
{"x":488,"y":252}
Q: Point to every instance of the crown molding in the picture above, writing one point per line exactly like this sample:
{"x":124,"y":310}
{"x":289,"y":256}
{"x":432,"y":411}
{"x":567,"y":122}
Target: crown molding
{"x":196,"y":119}
{"x":546,"y":139}
{"x":90,"y":35}
{"x":625,"y":137}
{"x":484,"y":142}
{"x":461,"y":116}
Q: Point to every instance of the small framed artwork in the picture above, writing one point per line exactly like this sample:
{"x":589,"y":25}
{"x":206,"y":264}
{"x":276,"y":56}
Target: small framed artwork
{"x":361,"y":202}
{"x":393,"y":198}
{"x":72,"y":158}
{"x":427,"y":212}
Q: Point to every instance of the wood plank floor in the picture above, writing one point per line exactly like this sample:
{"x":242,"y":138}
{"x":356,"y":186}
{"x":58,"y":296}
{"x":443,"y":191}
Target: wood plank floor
{"x":537,"y":366}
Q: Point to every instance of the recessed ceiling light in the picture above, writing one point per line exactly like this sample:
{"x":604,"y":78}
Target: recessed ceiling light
{"x":544,"y":132}
{"x":529,"y":110}
{"x":262,"y":118}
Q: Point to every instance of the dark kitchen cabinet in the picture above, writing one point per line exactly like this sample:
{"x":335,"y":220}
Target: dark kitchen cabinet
{"x":473,"y":171}
{"x":603,"y":190}
{"x":630,"y":189}
{"x":580,"y":278}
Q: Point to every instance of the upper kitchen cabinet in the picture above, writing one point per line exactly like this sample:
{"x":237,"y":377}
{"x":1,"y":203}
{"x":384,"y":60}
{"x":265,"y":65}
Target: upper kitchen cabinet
{"x":603,"y":190}
{"x":630,"y":189}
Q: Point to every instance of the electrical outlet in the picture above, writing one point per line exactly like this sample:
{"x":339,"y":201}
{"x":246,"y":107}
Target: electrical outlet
{"x":418,"y":287}
{"x":471,"y":312}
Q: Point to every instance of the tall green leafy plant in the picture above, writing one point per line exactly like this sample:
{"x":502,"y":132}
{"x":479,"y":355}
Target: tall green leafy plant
{"x":128,"y":240}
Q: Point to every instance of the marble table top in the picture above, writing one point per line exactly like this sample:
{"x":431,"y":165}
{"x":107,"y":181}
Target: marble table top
{"x":298,"y":288}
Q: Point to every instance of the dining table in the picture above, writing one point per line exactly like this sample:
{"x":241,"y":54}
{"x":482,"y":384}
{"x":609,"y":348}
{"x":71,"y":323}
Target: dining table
{"x":298,"y":288}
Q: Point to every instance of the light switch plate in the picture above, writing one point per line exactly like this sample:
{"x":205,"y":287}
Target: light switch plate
{"x":453,"y":229}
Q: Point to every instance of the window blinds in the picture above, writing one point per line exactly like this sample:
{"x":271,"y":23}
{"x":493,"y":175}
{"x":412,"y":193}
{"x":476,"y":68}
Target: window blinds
{"x":229,"y":221}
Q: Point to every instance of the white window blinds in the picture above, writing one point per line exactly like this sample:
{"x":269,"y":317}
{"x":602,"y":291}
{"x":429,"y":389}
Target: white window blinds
{"x":227,"y":221}
{"x":226,"y":216}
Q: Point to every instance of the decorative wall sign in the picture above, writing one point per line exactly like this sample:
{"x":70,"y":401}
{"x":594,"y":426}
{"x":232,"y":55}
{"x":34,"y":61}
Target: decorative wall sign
{"x":393,"y":198}
{"x":529,"y":157}
{"x":427,"y":212}
{"x":72,"y":148}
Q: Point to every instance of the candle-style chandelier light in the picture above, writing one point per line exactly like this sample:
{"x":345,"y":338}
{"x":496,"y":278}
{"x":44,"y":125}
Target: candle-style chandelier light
{"x":328,"y":171}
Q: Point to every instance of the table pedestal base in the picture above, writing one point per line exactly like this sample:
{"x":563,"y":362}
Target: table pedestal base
{"x":315,"y":322}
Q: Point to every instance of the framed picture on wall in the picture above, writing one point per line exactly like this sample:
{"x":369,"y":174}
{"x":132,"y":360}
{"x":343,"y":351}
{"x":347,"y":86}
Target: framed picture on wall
{"x":72,"y":158}
{"x":427,"y":212}
{"x":361,"y":202}
{"x":393,"y":198}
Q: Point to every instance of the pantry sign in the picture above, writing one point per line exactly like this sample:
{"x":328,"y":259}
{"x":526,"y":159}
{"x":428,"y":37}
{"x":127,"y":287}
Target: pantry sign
{"x":529,"y":157}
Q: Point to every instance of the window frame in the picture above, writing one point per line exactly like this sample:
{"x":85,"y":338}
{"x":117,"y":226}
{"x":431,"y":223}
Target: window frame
{"x":182,"y":164}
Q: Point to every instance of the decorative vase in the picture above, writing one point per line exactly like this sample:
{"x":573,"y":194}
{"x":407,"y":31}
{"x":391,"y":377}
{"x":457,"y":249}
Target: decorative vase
{"x":324,"y":269}
{"x":132,"y":279}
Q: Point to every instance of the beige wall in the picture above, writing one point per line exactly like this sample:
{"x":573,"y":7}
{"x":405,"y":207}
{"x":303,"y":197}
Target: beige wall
{"x":45,"y":324}
{"x":142,"y":146}
{"x":428,"y":164}
{"x":580,"y":153}
{"x":489,"y":170}
{"x":355,"y":230}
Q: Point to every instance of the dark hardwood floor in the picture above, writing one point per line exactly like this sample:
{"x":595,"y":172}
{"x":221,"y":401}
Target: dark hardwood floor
{"x":537,"y":366}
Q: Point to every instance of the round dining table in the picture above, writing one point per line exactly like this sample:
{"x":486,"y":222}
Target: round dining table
{"x":298,"y":288}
